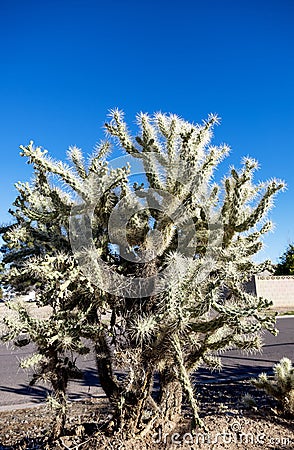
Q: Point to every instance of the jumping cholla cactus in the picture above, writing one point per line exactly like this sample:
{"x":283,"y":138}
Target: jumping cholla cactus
{"x":281,"y":386}
{"x":151,"y":272}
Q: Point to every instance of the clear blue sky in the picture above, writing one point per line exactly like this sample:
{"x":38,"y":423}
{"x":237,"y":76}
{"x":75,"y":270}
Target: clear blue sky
{"x":64,"y":63}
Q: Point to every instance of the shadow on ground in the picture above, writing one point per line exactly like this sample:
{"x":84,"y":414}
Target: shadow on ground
{"x":89,"y":386}
{"x":231,"y":373}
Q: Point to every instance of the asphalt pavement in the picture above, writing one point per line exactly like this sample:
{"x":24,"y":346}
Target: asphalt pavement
{"x":15,"y":391}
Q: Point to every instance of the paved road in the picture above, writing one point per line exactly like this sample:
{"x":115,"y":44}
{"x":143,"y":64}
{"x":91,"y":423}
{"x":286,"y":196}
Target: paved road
{"x":239,"y":365}
{"x":14,"y":389}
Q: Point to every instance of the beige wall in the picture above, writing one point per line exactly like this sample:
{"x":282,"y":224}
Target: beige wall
{"x":279,"y":289}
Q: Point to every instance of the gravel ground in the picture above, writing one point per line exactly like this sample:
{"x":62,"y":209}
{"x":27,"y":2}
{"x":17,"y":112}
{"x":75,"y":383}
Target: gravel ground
{"x":230,"y":425}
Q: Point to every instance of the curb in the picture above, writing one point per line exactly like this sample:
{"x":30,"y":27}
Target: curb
{"x":285,"y":316}
{"x":7,"y":408}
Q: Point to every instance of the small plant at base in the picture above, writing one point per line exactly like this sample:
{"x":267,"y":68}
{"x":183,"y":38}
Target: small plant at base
{"x":248,"y":401}
{"x":280,"y":386}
